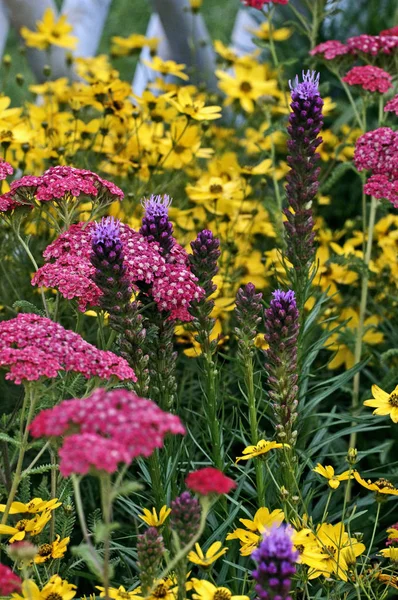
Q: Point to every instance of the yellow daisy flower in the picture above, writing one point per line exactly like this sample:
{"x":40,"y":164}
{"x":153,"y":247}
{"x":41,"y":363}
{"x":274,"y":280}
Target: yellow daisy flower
{"x":152,"y":519}
{"x":310,"y":553}
{"x":34,"y":506}
{"x":384,"y":403}
{"x":250,"y":537}
{"x":167,"y":67}
{"x":246,"y":85}
{"x":205,"y":560}
{"x":50,"y":32}
{"x":54,"y":550}
{"x":263,"y":447}
{"x":120,"y":593}
{"x":55,"y":588}
{"x":278,"y":35}
{"x":328,"y":473}
{"x":341,"y":550}
{"x":380,"y":486}
{"x":391,"y":553}
{"x":195,"y":109}
{"x":205,"y":590}
{"x":393,"y":534}
{"x":31,"y":527}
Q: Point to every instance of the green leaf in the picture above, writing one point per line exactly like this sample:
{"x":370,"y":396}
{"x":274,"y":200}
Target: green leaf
{"x":127,"y":488}
{"x":6,"y":438}
{"x":28,"y":307}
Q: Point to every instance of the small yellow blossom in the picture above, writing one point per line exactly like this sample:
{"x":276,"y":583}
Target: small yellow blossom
{"x":152,"y":519}
{"x":33,"y":506}
{"x":195,"y":109}
{"x":205,"y":590}
{"x":328,"y":473}
{"x":246,"y":85}
{"x":263,"y":447}
{"x":209,"y":557}
{"x":50,"y":32}
{"x":120,"y":593}
{"x":393,"y":534}
{"x":310,"y":553}
{"x":250,"y":537}
{"x":31,"y":527}
{"x":264,"y":32}
{"x":380,"y":486}
{"x":54,"y":550}
{"x":391,"y":553}
{"x":167,"y":67}
{"x":384,"y":403}
{"x":56,"y":588}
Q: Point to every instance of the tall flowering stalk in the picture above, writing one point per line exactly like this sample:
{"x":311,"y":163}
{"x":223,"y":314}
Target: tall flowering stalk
{"x":282,"y":330}
{"x":125,"y":317}
{"x":205,"y":254}
{"x":305,"y":123}
{"x":248,"y":315}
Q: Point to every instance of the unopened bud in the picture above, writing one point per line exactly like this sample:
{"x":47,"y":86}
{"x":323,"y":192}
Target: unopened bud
{"x":20,"y":79}
{"x":46,"y":70}
{"x":352,"y":456}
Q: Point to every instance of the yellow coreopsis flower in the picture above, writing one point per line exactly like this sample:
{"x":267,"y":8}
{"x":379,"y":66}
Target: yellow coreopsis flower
{"x":50,"y":32}
{"x":167,"y":67}
{"x":264,"y":32}
{"x":55,"y":588}
{"x":31,"y":527}
{"x":205,"y":590}
{"x":120,"y":593}
{"x":152,"y":519}
{"x":245,"y":85}
{"x":391,"y":553}
{"x":250,"y":538}
{"x":54,"y":550}
{"x":341,"y":550}
{"x":384,"y":403}
{"x":195,"y":109}
{"x":310,"y":553}
{"x":34,"y":506}
{"x":263,"y":447}
{"x":392,"y":534}
{"x":380,"y":486}
{"x":123,"y":46}
{"x":328,"y":473}
{"x":209,"y":557}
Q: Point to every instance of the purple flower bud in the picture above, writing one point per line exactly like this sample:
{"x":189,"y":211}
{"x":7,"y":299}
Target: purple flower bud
{"x":156,"y":226}
{"x":185,"y":517}
{"x":204,"y":257}
{"x":248,"y":312}
{"x":282,"y":329}
{"x":150,"y":550}
{"x":276,"y":564}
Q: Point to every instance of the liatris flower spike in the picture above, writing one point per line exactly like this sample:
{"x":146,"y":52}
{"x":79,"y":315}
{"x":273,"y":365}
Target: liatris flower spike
{"x":276,"y":564}
{"x":150,"y":550}
{"x":305,"y":123}
{"x":282,"y":329}
{"x":156,"y":226}
{"x":185,"y":517}
{"x":248,"y":313}
{"x":205,"y":254}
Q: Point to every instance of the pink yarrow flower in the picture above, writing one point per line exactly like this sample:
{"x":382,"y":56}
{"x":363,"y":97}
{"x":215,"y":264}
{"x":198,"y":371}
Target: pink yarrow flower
{"x":369,"y":78}
{"x":68,"y":269}
{"x":330,"y":49}
{"x":380,"y":187}
{"x":392,"y":105}
{"x":5,"y":169}
{"x":118,"y":425}
{"x":209,"y":481}
{"x":32,"y":347}
{"x":9,"y":582}
{"x":259,"y":4}
{"x":373,"y":44}
{"x":64,"y":183}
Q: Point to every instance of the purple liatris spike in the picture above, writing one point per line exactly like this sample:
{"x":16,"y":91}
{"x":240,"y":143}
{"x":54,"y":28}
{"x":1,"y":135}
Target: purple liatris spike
{"x":185,"y":517}
{"x":248,"y":313}
{"x":276,"y":564}
{"x":282,"y":329}
{"x":150,"y":550}
{"x":305,"y":123}
{"x":204,"y":257}
{"x":156,"y":226}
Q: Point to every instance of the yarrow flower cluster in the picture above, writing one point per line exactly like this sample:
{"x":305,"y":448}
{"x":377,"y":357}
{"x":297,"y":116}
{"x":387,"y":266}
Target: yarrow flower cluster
{"x":282,"y":329}
{"x":9,"y":582}
{"x":330,"y":49}
{"x":32,"y":346}
{"x":156,"y":226}
{"x":105,"y":429}
{"x":259,"y":4}
{"x":392,"y":105}
{"x":276,"y":564}
{"x":63,"y":182}
{"x":373,"y":44}
{"x":305,"y":123}
{"x":209,"y":481}
{"x":69,"y":269}
{"x":5,"y":169}
{"x":377,"y":151}
{"x":370,"y":78}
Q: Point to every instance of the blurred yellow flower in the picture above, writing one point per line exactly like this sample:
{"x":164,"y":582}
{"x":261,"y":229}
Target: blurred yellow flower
{"x":264,"y":32}
{"x":245,"y":85}
{"x":166,"y":67}
{"x":205,"y":590}
{"x":195,"y":109}
{"x":209,"y":557}
{"x":50,"y":32}
{"x":384,"y":403}
{"x":380,"y":486}
{"x":250,"y":537}
{"x":33,"y":506}
{"x":55,"y":588}
{"x":52,"y":551}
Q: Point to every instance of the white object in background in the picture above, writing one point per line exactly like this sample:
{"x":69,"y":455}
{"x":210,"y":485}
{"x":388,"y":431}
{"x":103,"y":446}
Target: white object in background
{"x":88,"y":19}
{"x":4,"y":27}
{"x":241,"y":38}
{"x":143,"y":75}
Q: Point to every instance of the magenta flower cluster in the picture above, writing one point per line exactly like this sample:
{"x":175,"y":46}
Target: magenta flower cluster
{"x":60,"y":183}
{"x":9,"y":581}
{"x":68,"y":269}
{"x":370,"y":78}
{"x":105,"y":429}
{"x":370,"y":45}
{"x":5,"y":169}
{"x":377,"y":151}
{"x":32,"y":347}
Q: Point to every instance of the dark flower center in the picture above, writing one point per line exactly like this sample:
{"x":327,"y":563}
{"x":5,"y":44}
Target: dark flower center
{"x":160,"y":591}
{"x":245,"y":86}
{"x":393,"y":399}
{"x":300,"y":548}
{"x":54,"y":596}
{"x":45,"y":549}
{"x":21,"y":524}
{"x":179,"y":149}
{"x":216,"y":188}
{"x":331,"y":550}
{"x":124,"y":595}
{"x":222,"y":594}
{"x":384,"y":483}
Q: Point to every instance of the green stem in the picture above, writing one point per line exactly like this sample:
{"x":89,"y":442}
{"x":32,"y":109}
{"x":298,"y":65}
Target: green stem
{"x":106,"y":499}
{"x":325,"y":512}
{"x":83,"y":524}
{"x":29,"y":399}
{"x":373,"y":537}
{"x":53,"y":477}
{"x":362,"y":314}
{"x":156,"y":480}
{"x":34,"y":263}
{"x":251,"y":400}
{"x":211,"y":379}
